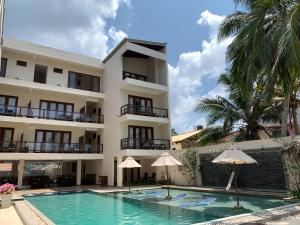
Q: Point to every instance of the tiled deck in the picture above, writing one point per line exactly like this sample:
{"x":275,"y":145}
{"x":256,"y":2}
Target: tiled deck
{"x":9,"y":216}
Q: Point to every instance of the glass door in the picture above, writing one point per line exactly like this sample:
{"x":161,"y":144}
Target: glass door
{"x":11,"y":105}
{"x":43,"y":109}
{"x":6,"y":137}
{"x":2,"y":105}
{"x":49,"y":146}
{"x":52,"y":110}
{"x":140,"y":137}
{"x":39,"y":138}
{"x":60,"y":111}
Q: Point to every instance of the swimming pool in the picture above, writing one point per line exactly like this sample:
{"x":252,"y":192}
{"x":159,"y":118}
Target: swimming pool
{"x":87,"y":208}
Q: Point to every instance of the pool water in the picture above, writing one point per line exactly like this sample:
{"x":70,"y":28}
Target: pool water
{"x":89,"y":208}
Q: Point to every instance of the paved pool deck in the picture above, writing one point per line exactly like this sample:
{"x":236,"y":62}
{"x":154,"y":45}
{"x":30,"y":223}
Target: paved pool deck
{"x":9,"y":216}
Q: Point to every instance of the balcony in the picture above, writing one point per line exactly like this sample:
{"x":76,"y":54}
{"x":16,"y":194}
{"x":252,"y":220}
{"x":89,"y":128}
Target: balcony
{"x":19,"y":111}
{"x":46,"y":147}
{"x":141,"y":83}
{"x":145,"y":144}
{"x":19,"y":83}
{"x":144,"y":111}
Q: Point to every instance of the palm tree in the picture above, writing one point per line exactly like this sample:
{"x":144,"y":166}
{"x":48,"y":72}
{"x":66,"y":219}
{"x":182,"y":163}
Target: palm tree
{"x":245,"y":111}
{"x":266,"y":43}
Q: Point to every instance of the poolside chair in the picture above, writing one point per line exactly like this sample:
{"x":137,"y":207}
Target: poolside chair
{"x":204,"y":201}
{"x":179,"y":196}
{"x":152,"y":194}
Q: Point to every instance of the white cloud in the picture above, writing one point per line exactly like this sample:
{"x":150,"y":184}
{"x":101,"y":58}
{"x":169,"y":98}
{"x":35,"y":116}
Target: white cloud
{"x":192,"y":70}
{"x":116,"y":35}
{"x":75,"y":25}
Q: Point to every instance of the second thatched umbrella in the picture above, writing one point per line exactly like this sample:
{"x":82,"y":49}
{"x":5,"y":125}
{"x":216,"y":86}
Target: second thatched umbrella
{"x":129,"y":163}
{"x":235,"y":157}
{"x":167,"y":160}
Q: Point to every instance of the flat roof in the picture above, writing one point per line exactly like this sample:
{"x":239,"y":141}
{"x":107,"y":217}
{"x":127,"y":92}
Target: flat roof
{"x":52,"y":53}
{"x":148,"y":44}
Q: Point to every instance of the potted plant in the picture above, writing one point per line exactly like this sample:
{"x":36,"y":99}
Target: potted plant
{"x":6,"y":194}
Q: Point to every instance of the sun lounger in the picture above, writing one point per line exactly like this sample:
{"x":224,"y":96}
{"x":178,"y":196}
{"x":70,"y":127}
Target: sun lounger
{"x":179,"y":196}
{"x":204,"y":201}
{"x":152,"y":194}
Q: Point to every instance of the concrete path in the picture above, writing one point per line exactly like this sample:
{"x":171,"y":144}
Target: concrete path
{"x":9,"y":216}
{"x":291,"y":220}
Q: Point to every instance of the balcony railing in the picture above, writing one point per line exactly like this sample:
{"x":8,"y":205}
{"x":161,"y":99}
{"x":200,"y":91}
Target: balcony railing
{"x":138,"y":143}
{"x":46,"y":147}
{"x":134,"y":76}
{"x":49,"y":114}
{"x":144,"y":111}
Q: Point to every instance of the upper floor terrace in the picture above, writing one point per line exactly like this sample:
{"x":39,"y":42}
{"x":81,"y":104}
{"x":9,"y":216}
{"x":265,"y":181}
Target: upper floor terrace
{"x":36,"y":67}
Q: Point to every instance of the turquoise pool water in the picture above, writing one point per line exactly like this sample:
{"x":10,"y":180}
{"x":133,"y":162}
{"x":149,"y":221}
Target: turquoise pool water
{"x":88,"y":208}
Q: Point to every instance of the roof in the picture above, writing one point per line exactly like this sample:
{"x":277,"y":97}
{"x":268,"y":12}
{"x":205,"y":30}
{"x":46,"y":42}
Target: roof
{"x":52,"y":53}
{"x":148,"y":44}
{"x":181,"y":137}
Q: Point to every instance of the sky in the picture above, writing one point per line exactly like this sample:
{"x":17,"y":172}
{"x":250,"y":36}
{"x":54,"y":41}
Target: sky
{"x":94,"y":27}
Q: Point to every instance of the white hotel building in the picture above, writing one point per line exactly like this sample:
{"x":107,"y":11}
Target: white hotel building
{"x":88,"y":115}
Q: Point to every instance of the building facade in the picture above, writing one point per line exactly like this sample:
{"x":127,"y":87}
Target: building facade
{"x":88,"y":115}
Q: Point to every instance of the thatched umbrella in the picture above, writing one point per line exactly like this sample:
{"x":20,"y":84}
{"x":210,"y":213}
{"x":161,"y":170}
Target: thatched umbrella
{"x":129,"y":163}
{"x":167,"y":160}
{"x":235,"y":157}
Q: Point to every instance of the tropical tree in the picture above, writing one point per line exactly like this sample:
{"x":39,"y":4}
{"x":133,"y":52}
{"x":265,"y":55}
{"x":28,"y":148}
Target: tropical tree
{"x":173,"y":132}
{"x":266,"y":43}
{"x":245,"y":110}
{"x":189,"y":164}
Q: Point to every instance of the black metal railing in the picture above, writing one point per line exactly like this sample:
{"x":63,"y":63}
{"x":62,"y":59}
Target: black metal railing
{"x":46,"y":147}
{"x":134,"y":76}
{"x":143,"y":110}
{"x":139,"y":143}
{"x":29,"y":112}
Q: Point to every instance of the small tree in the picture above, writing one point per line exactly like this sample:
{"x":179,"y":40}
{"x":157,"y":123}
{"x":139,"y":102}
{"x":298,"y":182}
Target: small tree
{"x":291,"y":159}
{"x":189,"y":164}
{"x":173,"y":132}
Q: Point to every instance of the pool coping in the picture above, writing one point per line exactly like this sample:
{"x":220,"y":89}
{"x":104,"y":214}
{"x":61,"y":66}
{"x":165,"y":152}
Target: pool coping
{"x":262,"y":216}
{"x":257,"y":193}
{"x":34,"y":218}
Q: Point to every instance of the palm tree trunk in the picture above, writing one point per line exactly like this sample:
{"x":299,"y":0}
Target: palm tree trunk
{"x":285,"y":115}
{"x":295,"y":122}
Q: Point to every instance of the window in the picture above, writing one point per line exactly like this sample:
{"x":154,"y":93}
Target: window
{"x":49,"y":140}
{"x":40,"y":74}
{"x":57,"y":70}
{"x":8,"y":105}
{"x":6,"y":137}
{"x":84,"y":82}
{"x":21,"y":63}
{"x":56,"y":110}
{"x":3,"y":67}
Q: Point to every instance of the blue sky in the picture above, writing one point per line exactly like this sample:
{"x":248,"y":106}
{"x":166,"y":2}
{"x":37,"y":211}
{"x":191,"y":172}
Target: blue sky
{"x":94,"y":27}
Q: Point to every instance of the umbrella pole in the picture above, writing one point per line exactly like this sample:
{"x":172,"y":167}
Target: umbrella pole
{"x":129,"y":178}
{"x":168,"y":181}
{"x":236,"y":187}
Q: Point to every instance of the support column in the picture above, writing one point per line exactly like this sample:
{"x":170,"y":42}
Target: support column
{"x":20,"y":173}
{"x":78,"y":172}
{"x":119,"y":172}
{"x":14,"y":169}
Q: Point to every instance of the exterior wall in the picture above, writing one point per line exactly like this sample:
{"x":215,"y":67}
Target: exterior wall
{"x":27,"y":73}
{"x":111,"y":78}
{"x":115,"y":130}
{"x":112,"y":133}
